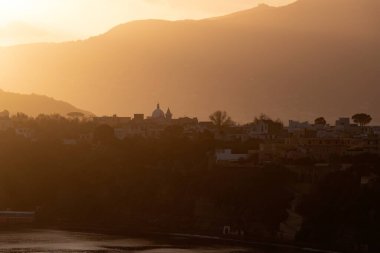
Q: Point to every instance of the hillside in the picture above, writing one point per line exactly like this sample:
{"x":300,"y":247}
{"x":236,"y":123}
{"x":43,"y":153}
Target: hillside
{"x":34,"y":105}
{"x":308,"y":59}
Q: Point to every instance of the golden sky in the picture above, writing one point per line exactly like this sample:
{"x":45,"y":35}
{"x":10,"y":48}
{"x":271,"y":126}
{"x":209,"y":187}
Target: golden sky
{"x":25,"y":21}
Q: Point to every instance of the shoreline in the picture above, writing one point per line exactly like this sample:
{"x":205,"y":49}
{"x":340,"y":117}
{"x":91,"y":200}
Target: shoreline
{"x":192,"y":237}
{"x":251,"y":243}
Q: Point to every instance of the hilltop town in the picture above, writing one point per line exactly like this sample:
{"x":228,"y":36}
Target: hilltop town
{"x":257,"y":181}
{"x":261,"y":141}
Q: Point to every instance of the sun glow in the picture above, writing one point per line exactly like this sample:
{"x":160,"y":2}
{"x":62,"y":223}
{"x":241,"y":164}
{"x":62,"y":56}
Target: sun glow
{"x":25,"y":21}
{"x":12,"y":10}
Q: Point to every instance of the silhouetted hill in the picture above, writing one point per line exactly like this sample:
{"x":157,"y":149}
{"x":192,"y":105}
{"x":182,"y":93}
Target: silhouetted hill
{"x":308,"y":59}
{"x":34,"y":105}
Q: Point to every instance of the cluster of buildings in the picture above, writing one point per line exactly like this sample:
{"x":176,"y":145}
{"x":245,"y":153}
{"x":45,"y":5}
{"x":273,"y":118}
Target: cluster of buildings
{"x":149,"y":127}
{"x":270,"y":140}
{"x":6,"y":123}
{"x":302,"y":141}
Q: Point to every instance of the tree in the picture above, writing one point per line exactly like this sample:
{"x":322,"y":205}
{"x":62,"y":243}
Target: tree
{"x":76,"y":115}
{"x":362,"y":119}
{"x":104,"y":134}
{"x":221,"y":119}
{"x":262,"y":117}
{"x":320,"y":121}
{"x":4,"y":114}
{"x":21,"y":120}
{"x":20,"y":116}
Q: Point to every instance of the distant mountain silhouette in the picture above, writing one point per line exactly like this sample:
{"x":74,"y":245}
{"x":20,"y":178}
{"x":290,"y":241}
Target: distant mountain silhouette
{"x":308,"y":59}
{"x":34,"y":105}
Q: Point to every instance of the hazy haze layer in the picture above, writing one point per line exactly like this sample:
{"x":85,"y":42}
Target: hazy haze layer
{"x":25,"y":21}
{"x":308,"y":59}
{"x":33,"y":105}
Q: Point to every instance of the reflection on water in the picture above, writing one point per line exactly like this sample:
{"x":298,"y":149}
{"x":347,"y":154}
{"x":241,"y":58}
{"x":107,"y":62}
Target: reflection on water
{"x":40,"y":241}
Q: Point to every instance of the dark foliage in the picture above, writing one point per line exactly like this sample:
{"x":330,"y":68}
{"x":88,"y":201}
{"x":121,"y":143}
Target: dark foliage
{"x":341,"y":212}
{"x":160,"y":183}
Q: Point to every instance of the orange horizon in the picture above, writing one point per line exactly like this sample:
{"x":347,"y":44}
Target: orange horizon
{"x":31,"y":21}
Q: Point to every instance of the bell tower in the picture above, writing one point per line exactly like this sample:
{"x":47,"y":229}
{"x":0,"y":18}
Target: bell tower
{"x":169,"y":114}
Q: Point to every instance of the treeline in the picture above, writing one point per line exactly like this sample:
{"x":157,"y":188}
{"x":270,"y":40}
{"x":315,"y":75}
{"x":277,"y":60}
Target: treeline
{"x":53,"y":127}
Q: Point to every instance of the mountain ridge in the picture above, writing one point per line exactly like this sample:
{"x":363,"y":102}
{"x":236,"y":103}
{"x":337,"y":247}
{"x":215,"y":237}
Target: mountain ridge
{"x":280,"y":61}
{"x":33,"y":104}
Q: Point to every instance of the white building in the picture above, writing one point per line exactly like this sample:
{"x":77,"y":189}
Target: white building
{"x":343,"y":123}
{"x":27,"y":133}
{"x":296,"y":125}
{"x":376,"y":130}
{"x":226,"y":155}
{"x":69,"y":142}
{"x":5,"y":124}
{"x":258,"y":130}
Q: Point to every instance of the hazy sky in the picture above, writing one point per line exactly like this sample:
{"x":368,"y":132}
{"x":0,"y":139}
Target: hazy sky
{"x":24,"y":21}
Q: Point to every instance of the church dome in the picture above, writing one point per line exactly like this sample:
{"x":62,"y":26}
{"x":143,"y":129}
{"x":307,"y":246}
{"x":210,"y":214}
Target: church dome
{"x":158,"y":113}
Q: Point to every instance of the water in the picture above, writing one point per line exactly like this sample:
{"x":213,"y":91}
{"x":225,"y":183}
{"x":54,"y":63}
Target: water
{"x":53,"y":241}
